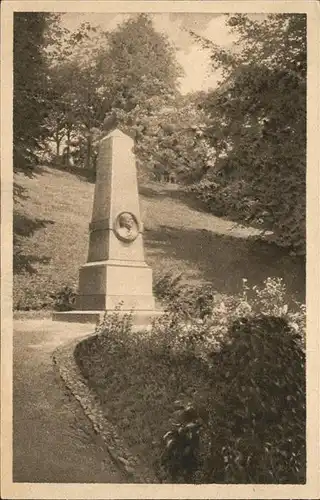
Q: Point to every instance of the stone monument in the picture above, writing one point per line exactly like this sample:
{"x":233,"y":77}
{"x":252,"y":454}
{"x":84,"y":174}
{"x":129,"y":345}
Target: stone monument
{"x":116,"y":272}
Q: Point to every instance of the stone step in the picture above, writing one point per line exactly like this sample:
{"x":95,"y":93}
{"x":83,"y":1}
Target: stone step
{"x":140,"y":318}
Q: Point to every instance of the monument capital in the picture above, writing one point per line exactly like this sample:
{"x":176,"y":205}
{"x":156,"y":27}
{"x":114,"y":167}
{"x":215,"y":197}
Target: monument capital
{"x":117,"y":132}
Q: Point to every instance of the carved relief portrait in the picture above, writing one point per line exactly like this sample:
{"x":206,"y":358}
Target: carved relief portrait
{"x":126,"y":227}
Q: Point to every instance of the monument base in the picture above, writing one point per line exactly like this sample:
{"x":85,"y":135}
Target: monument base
{"x":141,"y":319}
{"x":104,"y":285}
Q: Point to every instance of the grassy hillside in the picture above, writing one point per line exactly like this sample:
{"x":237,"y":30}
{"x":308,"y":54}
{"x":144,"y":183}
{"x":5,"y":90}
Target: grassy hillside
{"x":51,"y":240}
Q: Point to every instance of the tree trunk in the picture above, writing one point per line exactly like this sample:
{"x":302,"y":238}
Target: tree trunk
{"x":57,"y":141}
{"x":88,"y":152}
{"x":67,"y":158}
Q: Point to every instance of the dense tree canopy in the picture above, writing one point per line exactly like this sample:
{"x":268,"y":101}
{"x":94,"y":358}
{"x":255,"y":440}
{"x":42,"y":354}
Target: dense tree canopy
{"x":258,"y":122}
{"x":172,"y":142}
{"x":128,"y":73}
{"x":29,"y":86}
{"x":140,"y":64}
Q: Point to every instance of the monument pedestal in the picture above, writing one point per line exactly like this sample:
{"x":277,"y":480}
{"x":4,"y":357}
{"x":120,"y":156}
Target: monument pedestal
{"x":105,"y":285}
{"x":116,"y":274}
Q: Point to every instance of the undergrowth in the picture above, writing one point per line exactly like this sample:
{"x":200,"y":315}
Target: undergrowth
{"x":215,"y":392}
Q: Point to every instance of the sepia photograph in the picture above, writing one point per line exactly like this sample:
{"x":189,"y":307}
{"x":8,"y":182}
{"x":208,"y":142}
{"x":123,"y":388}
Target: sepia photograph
{"x":158,"y":251}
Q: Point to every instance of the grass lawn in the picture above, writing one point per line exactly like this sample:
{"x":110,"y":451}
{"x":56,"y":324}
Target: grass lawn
{"x":51,"y":228}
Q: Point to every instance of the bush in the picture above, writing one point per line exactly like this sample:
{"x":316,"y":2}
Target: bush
{"x":115,"y":325}
{"x":238,"y":373}
{"x":197,"y":318}
{"x":230,"y":200}
{"x":112,"y":334}
{"x":284,"y":225}
{"x":253,"y":348}
{"x":167,"y":287}
{"x":64,"y":299}
{"x":262,"y":375}
{"x":33,"y":293}
{"x":181,"y":299}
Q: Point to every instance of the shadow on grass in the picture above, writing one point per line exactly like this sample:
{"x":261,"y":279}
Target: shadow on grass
{"x":175,"y":192}
{"x":25,"y":227}
{"x":81,"y":173}
{"x":189,"y":199}
{"x":225,"y":260}
{"x":19,"y":192}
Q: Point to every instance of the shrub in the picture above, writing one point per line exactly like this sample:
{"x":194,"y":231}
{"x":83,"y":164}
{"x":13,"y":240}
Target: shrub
{"x":115,"y":324}
{"x":64,"y":298}
{"x":230,"y":200}
{"x":30,"y":299}
{"x":262,"y":375}
{"x":31,"y":293}
{"x":113,"y":335}
{"x":181,"y":299}
{"x":36,"y":292}
{"x":253,"y":347}
{"x":238,"y":372}
{"x":197,"y":319}
{"x":181,"y":457}
{"x":115,"y":330}
{"x":167,"y":286}
{"x":238,"y":200}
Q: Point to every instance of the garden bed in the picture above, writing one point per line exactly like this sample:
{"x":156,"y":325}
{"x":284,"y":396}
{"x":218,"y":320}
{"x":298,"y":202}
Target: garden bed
{"x":240,"y":374}
{"x":138,"y":390}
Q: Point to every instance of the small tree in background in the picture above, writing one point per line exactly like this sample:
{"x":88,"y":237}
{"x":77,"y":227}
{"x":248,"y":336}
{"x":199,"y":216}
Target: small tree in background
{"x":173,"y":143}
{"x":74,"y":93}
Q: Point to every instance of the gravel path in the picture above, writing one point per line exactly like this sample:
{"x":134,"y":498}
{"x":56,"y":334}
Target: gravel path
{"x":52,"y":439}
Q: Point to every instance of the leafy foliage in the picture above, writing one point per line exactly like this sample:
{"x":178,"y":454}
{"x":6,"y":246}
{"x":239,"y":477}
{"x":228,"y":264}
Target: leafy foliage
{"x":142,"y":80}
{"x":180,"y":299}
{"x":263,"y":438}
{"x":197,"y":318}
{"x":74,"y":93}
{"x":96,"y":76}
{"x":258,"y":124}
{"x":39,"y":293}
{"x":172,"y":142}
{"x":167,"y":287}
{"x":64,"y":299}
{"x":29,"y":92}
{"x":143,"y":64}
{"x":181,"y":455}
{"x":115,"y":324}
{"x":33,"y":296}
{"x":238,"y":374}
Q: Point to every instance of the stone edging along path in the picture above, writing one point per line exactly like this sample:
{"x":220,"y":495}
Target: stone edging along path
{"x":69,"y":371}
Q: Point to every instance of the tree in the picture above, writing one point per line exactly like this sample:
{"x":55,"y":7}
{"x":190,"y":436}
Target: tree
{"x":130,"y":74}
{"x":173,"y":144}
{"x":74,"y":84}
{"x":142,"y":72}
{"x":258,"y":121}
{"x":29,"y":86}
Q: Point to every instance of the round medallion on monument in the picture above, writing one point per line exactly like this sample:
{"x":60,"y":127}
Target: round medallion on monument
{"x":126,"y":226}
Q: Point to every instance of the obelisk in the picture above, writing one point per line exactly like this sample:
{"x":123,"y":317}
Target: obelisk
{"x":116,"y":272}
